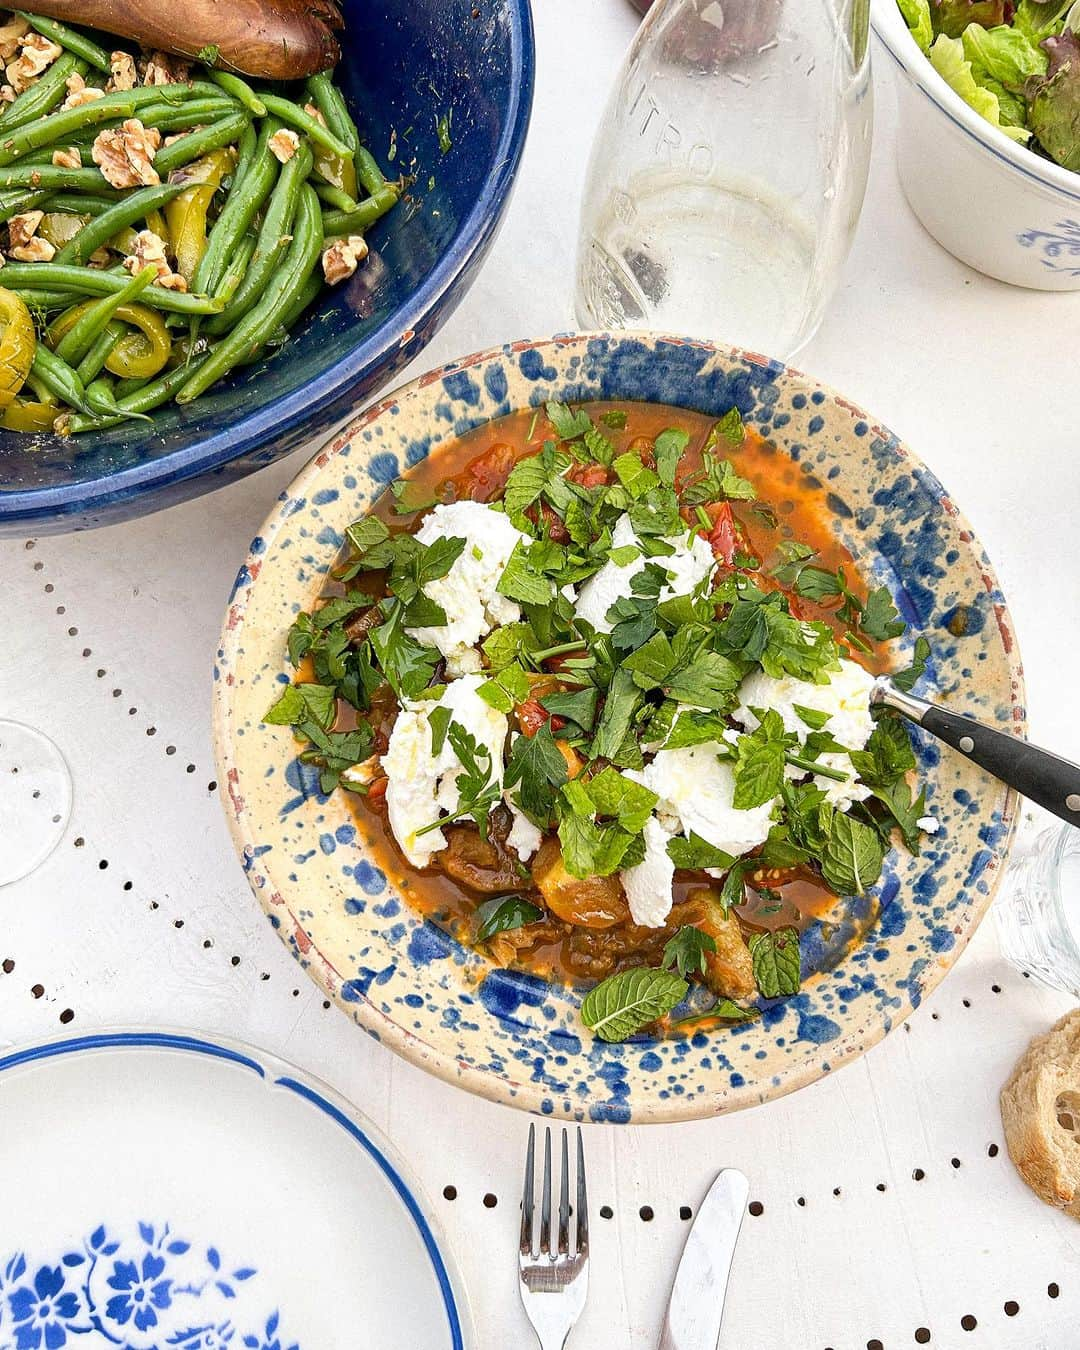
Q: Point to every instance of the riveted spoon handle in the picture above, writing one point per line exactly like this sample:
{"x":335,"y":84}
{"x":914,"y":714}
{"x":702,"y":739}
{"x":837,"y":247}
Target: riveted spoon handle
{"x":1048,"y":780}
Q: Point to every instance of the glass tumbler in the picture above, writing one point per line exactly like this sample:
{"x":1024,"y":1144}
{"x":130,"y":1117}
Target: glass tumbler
{"x":1038,"y":912}
{"x":728,"y":173}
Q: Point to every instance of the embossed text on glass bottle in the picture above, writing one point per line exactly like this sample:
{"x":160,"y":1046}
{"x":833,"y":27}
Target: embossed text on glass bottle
{"x":728,"y":173}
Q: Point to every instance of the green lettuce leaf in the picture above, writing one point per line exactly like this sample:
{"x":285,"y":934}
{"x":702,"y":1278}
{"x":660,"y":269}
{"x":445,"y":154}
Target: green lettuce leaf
{"x":947,"y":58}
{"x":917,"y":17}
{"x":1055,"y":109}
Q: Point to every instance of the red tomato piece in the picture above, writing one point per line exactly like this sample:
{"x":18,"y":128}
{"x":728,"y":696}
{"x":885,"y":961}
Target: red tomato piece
{"x":588,"y":475}
{"x":485,"y":478}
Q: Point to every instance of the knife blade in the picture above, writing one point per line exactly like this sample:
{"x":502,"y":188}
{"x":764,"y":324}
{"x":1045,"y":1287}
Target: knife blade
{"x":696,"y":1307}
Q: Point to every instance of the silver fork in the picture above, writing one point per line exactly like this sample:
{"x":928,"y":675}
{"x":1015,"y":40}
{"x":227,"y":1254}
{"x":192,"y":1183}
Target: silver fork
{"x":553,"y":1282}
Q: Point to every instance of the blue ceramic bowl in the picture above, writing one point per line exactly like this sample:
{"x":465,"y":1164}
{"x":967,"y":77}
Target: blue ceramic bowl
{"x":401,"y":71}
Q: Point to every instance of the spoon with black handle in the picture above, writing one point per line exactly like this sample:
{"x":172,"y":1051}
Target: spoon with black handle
{"x":1048,"y":780}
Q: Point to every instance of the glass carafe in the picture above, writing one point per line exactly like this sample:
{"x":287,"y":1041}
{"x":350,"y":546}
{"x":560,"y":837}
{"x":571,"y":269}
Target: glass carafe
{"x":728,"y":173}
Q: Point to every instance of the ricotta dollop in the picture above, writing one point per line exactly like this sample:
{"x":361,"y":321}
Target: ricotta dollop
{"x":691,"y":562}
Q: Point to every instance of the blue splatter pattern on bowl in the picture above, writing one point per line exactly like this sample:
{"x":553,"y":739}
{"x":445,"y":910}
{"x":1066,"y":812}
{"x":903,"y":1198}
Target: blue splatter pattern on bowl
{"x":511,"y":1036}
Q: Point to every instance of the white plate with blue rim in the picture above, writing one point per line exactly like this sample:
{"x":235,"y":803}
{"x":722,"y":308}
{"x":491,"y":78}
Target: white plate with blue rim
{"x":162,"y":1192}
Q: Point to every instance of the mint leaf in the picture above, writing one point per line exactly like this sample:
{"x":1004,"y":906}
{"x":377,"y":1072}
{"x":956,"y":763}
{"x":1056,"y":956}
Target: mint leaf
{"x":301,"y":702}
{"x":525,"y":485}
{"x":502,"y":913}
{"x":409,"y":497}
{"x":301,"y":636}
{"x":880,"y":619}
{"x":537,"y":769}
{"x":725,"y":1010}
{"x":598,"y":445}
{"x":686,"y":951}
{"x":506,"y":689}
{"x":694,"y":853}
{"x":615,"y":418}
{"x":634,"y":476}
{"x":439,"y":722}
{"x":522,"y":582}
{"x":776,"y":962}
{"x":759,"y":763}
{"x":568,"y":425}
{"x":905,"y":810}
{"x":905,"y":679}
{"x":696,"y":728}
{"x":888,"y":754}
{"x":365,"y":534}
{"x":624,"y":1003}
{"x":668,"y":448}
{"x":629,"y":802}
{"x":406,"y":664}
{"x":852,"y":858}
{"x":512,"y":642}
{"x":729,"y":428}
{"x":590,"y":849}
{"x":814,"y":718}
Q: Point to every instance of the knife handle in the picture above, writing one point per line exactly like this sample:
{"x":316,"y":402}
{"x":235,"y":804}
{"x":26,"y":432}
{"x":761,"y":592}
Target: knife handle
{"x":1048,"y":780}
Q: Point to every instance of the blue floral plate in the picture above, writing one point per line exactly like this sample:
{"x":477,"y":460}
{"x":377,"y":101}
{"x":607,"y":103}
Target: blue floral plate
{"x":510,"y":1036}
{"x":144,"y":1206}
{"x":404,"y":67}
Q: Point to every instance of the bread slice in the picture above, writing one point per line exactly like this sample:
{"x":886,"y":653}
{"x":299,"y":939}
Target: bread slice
{"x":1040,"y":1109}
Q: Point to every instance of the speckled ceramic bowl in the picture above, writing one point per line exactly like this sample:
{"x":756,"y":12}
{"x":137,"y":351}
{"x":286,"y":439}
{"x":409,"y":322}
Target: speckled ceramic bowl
{"x":512,"y":1037}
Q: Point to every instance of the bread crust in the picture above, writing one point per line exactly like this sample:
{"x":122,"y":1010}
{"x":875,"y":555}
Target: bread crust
{"x":1044,"y":1085}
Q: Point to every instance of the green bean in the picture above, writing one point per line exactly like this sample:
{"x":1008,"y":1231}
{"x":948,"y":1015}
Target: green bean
{"x":234,"y":273}
{"x":51,"y":176}
{"x":244,"y":202}
{"x":60,"y":125}
{"x":83,"y":204}
{"x":25,"y":201}
{"x":79,"y":338}
{"x":180,"y":116}
{"x":43,"y":299}
{"x":311,"y":289}
{"x":43,"y":95}
{"x":150,"y":395}
{"x":368,"y":171}
{"x":329,"y":100}
{"x":273,"y":239}
{"x":365,"y":215}
{"x":70,"y":40}
{"x":27,"y":277}
{"x":292,"y":114}
{"x":246,"y":147}
{"x":334,"y":196}
{"x":122,"y":214}
{"x":240,"y":90}
{"x":198,"y":143}
{"x":285,"y":286}
{"x":58,"y":377}
{"x":99,"y":352}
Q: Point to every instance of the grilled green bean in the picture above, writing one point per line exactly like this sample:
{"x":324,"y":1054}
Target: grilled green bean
{"x":79,"y":338}
{"x":330,"y":102}
{"x":273,"y":240}
{"x":287,"y":284}
{"x":51,"y":176}
{"x":240,"y":90}
{"x":58,"y":377}
{"x":245,"y":201}
{"x":99,"y":352}
{"x":335,"y":197}
{"x":44,"y":94}
{"x":124,"y":213}
{"x":83,"y":204}
{"x":23,"y":201}
{"x":27,"y":277}
{"x":365,"y":215}
{"x":69,"y":40}
{"x":368,"y":171}
{"x":198,"y":143}
{"x":293,"y":115}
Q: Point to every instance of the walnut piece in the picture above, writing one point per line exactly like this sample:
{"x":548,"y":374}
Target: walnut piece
{"x":161,"y":68}
{"x":21,"y":228}
{"x":314,"y":112}
{"x":11,"y":34}
{"x":284,"y":144}
{"x":80,"y":93}
{"x":149,"y":251}
{"x":7,"y":94}
{"x":340,"y":259}
{"x":37,"y":53}
{"x":125,"y":156}
{"x":124,"y":75}
{"x":71,"y":158}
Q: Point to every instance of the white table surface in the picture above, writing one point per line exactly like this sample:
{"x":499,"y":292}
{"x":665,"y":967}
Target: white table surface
{"x":142,"y":915}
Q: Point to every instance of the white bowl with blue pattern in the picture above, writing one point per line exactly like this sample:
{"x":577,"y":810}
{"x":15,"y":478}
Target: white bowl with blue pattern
{"x":164,"y":1192}
{"x":993,"y":203}
{"x":510,"y":1036}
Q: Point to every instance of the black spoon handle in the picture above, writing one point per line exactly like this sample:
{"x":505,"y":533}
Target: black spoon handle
{"x":1048,"y":780}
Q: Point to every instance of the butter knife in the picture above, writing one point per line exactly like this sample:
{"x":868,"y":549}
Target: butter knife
{"x":696,"y":1308}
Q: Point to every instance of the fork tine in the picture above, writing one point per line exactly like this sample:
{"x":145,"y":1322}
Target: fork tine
{"x":564,"y":1201}
{"x":527,"y":1194}
{"x":545,"y":1199}
{"x":582,"y":1200}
